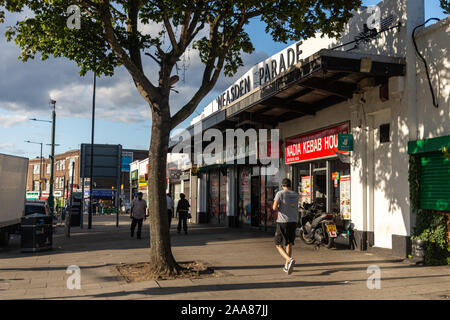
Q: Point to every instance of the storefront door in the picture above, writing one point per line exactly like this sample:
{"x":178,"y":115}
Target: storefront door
{"x":320,"y":189}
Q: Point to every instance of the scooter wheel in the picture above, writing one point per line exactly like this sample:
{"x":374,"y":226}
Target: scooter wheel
{"x":305,"y":239}
{"x":330,"y":243}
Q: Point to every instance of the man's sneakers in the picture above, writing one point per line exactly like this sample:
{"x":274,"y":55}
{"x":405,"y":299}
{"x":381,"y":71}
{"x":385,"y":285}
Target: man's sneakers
{"x":290,"y":266}
{"x":285,"y":269}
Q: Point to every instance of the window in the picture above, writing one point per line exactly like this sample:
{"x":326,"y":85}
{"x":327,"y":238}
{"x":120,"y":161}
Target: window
{"x":36,"y":169}
{"x":59,"y":183}
{"x":48,"y":169}
{"x":36,"y":185}
{"x":63,"y":165}
{"x":384,"y":133}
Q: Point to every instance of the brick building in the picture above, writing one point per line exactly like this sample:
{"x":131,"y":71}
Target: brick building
{"x":39,"y":177}
{"x":62,"y":175}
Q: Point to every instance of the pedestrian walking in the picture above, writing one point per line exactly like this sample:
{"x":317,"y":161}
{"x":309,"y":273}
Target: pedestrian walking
{"x":183,"y":213}
{"x":138,"y":214}
{"x":170,"y":207}
{"x":286,"y":203}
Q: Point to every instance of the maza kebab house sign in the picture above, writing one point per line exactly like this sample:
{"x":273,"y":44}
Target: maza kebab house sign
{"x":319,"y":144}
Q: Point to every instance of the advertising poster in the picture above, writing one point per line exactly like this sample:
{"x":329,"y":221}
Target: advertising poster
{"x":305,"y":191}
{"x":345,"y":197}
{"x":244,"y":194}
{"x":223,"y":194}
{"x":214,"y":193}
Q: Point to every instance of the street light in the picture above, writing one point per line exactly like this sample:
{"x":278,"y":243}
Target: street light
{"x":92,"y":155}
{"x":51,"y":199}
{"x":40,"y":167}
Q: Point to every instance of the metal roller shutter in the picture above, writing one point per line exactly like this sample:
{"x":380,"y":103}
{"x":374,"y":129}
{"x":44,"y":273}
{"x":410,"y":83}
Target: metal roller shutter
{"x":435,"y":182}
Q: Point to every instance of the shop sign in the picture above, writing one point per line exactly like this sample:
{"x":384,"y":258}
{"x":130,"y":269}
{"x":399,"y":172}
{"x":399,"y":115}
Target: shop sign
{"x":315,"y":145}
{"x":134,"y":175}
{"x":57,"y":193}
{"x":345,"y":142}
{"x":32,"y":195}
{"x":142,"y":181}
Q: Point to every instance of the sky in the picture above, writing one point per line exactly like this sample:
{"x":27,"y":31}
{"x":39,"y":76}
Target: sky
{"x":122,"y":116}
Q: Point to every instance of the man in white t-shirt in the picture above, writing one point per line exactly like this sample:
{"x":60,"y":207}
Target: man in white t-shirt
{"x":286,"y":203}
{"x":138,"y":214}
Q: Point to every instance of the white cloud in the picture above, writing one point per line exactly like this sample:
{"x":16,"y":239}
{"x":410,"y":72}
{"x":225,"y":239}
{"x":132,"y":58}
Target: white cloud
{"x":7,"y":121}
{"x":10,"y":148}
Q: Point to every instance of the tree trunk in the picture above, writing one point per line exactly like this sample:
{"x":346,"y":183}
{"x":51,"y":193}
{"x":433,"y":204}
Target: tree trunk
{"x":161,"y":258}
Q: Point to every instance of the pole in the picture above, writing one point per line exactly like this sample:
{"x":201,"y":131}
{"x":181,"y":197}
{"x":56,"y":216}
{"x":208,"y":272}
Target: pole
{"x":69,"y":212}
{"x":51,"y":201}
{"x":92,"y":156}
{"x":40,"y":175}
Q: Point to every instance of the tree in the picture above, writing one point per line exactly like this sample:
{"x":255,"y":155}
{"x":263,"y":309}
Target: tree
{"x":445,"y":4}
{"x":110,"y":36}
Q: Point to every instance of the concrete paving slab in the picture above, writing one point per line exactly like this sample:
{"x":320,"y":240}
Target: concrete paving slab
{"x":247,"y":267}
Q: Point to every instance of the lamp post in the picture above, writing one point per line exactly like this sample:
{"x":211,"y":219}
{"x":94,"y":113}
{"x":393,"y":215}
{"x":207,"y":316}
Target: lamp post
{"x":92,"y":156}
{"x":51,"y":200}
{"x":40,"y":167}
{"x":52,"y":156}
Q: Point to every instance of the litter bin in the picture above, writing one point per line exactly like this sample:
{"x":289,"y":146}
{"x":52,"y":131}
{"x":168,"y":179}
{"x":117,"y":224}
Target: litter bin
{"x":37,"y":233}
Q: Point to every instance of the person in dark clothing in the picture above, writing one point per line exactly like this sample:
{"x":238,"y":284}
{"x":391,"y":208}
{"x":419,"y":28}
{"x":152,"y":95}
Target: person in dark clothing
{"x":183,"y":212}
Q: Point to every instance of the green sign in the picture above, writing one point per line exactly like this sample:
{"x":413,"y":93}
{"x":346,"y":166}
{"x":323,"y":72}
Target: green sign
{"x":134,"y":175}
{"x":345,"y":142}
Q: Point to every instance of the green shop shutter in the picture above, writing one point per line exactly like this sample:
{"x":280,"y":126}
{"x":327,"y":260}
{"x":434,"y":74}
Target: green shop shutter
{"x":435,"y":182}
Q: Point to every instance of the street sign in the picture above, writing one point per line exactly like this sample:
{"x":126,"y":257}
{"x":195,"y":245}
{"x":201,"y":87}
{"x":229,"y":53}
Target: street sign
{"x":345,"y":142}
{"x":127,"y":159}
{"x":107,"y":160}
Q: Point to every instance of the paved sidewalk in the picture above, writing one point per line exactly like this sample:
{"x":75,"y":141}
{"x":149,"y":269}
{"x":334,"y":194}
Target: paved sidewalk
{"x":246,"y":263}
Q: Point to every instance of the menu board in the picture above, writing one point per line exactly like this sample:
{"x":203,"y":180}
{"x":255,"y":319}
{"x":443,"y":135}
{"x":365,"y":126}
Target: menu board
{"x":305,"y":190}
{"x":345,"y":197}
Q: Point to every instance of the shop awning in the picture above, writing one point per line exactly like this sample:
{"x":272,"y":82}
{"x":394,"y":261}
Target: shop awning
{"x":429,"y":145}
{"x":324,"y":79}
{"x":320,"y":81}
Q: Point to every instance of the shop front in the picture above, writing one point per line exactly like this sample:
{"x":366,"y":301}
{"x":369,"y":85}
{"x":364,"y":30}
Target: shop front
{"x":320,"y":171}
{"x":217,"y":181}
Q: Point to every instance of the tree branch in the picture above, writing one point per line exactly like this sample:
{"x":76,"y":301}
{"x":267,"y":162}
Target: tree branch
{"x":169,"y":28}
{"x":145,"y":87}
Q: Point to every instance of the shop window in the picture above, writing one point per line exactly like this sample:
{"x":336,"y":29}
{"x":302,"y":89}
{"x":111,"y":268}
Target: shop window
{"x":384,"y":133}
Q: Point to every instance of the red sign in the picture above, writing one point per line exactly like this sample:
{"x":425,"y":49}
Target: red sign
{"x":314,"y":145}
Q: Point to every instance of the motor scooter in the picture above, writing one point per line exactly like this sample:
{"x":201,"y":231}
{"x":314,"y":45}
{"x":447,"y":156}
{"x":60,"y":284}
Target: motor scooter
{"x":316,"y":226}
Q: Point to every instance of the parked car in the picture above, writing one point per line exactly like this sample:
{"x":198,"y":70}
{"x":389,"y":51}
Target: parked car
{"x":37,"y":206}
